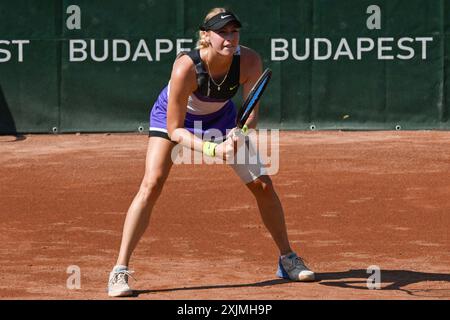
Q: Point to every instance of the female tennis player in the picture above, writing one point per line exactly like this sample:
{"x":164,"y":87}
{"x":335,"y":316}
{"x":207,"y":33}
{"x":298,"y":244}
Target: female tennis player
{"x":201,"y":86}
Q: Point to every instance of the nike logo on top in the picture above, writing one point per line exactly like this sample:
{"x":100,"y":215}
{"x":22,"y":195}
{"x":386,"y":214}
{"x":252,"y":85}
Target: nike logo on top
{"x":223,"y":17}
{"x":232,"y":88}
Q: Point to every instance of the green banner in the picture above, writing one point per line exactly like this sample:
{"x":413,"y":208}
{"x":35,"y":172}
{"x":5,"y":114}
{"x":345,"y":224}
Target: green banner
{"x":97,"y":66}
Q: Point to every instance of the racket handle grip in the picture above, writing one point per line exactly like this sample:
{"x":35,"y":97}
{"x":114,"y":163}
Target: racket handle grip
{"x":241,"y":131}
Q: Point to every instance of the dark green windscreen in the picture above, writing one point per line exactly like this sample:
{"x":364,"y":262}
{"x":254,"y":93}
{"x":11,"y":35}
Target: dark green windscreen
{"x":337,"y":64}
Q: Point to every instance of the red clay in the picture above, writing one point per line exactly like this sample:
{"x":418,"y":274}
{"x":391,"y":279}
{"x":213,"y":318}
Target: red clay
{"x":351,"y":199}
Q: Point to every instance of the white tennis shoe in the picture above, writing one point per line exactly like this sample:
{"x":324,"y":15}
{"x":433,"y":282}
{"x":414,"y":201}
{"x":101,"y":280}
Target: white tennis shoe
{"x":292,"y":267}
{"x":118,"y":282}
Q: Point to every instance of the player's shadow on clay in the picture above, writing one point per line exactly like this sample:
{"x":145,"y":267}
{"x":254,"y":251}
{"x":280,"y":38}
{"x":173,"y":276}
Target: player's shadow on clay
{"x":136,"y":293}
{"x":351,"y":279}
{"x":389,"y":280}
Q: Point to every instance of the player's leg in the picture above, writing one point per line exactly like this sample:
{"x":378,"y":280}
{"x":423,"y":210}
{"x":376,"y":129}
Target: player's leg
{"x":157,"y":168}
{"x":290,"y":266}
{"x":254,"y":175}
{"x":271,"y":211}
{"x":252,"y":172}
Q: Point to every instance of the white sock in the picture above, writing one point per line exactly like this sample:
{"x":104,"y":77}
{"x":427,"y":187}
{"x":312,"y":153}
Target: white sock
{"x":118,"y":267}
{"x":286,"y":255}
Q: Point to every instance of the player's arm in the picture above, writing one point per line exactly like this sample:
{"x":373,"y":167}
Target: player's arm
{"x":182,"y":83}
{"x":251,"y":70}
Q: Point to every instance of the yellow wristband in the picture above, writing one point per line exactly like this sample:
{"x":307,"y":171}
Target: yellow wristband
{"x":209,"y":148}
{"x":244,"y":130}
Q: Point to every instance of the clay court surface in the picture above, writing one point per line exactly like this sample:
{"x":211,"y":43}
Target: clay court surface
{"x":351,"y":200}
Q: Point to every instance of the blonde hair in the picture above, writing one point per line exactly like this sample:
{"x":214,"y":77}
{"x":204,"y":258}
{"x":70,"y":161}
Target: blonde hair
{"x":202,"y":43}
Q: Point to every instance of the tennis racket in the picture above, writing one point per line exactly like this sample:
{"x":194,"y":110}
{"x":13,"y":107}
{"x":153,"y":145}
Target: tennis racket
{"x":252,"y":99}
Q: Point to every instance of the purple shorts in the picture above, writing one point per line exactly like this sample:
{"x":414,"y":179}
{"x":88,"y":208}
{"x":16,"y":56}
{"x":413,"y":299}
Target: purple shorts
{"x":212,"y":124}
{"x":222,"y":120}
